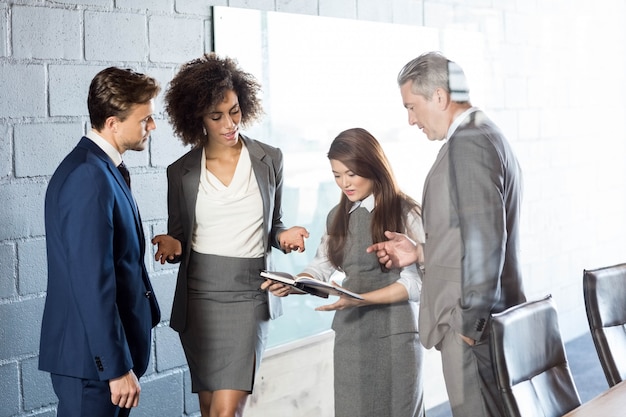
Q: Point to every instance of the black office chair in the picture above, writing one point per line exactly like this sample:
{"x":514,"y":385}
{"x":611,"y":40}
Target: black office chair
{"x":604,"y":291}
{"x":530,"y":362}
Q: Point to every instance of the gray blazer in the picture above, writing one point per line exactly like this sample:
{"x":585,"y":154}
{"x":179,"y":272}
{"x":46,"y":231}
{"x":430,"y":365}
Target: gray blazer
{"x":471,"y":205}
{"x":183,"y":178}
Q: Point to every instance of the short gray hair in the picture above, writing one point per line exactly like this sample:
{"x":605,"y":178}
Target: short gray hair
{"x":431,"y":71}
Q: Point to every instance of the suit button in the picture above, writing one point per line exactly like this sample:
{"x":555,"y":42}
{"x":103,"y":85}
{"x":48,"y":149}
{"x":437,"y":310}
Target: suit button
{"x":99,"y":364}
{"x":480,"y":325}
{"x":148,"y":294}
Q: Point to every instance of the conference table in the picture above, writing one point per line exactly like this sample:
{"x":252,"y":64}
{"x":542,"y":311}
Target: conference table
{"x":611,"y":403}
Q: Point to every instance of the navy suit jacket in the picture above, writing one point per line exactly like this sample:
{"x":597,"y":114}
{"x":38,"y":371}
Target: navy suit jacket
{"x":100,"y":307}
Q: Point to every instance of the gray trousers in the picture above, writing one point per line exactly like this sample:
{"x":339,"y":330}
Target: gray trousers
{"x":470,"y":380}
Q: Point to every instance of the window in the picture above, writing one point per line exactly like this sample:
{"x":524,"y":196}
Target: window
{"x":321,"y":76}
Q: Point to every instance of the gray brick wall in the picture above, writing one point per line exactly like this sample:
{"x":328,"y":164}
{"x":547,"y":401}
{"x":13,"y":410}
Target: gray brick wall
{"x":23,"y":89}
{"x":31,"y":266}
{"x":22,"y":211}
{"x":36,"y":385}
{"x":49,"y":51}
{"x":67,"y":84}
{"x":189,"y":42}
{"x":9,"y":389}
{"x":3,"y":29}
{"x":21,"y":321}
{"x":44,"y":33}
{"x":116,"y":36}
{"x":6,"y":153}
{"x":35,"y":154}
{"x":8,"y":268}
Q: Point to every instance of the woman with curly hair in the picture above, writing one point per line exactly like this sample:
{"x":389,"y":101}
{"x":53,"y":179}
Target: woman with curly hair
{"x":224,"y":215}
{"x":377,"y":353}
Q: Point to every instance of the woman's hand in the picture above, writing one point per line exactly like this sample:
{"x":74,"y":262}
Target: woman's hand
{"x":343,"y":303}
{"x":276,"y":288}
{"x":392,"y":293}
{"x":168,"y":248}
{"x":293,"y":239}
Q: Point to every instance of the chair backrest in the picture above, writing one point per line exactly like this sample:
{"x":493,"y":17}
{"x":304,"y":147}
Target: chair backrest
{"x":530,"y":362}
{"x":604,"y":291}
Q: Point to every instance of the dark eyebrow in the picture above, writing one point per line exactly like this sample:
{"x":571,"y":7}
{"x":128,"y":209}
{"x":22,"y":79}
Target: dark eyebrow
{"x":219,"y":112}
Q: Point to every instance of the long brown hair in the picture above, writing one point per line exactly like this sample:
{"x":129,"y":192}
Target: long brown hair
{"x":360,"y":152}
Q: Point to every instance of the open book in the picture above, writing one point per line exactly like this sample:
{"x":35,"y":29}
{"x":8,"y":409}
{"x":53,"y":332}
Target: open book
{"x":308,"y":285}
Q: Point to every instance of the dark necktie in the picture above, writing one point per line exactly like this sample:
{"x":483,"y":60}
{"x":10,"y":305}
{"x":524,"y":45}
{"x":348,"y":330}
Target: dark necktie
{"x":125,"y":173}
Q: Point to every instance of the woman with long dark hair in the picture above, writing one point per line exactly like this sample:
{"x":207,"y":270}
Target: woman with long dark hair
{"x":377,"y":353}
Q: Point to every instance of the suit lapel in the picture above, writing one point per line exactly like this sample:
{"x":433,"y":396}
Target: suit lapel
{"x":131,"y":200}
{"x":440,"y":157}
{"x":469,"y":120}
{"x":115,"y":173}
{"x":190,"y":181}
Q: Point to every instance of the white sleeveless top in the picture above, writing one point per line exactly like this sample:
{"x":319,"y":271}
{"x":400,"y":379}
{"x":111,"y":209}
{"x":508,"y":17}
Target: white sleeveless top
{"x":229,"y":219}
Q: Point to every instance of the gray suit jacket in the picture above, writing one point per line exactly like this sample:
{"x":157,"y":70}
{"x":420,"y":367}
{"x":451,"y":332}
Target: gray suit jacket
{"x":183,"y":180}
{"x":471,"y":206}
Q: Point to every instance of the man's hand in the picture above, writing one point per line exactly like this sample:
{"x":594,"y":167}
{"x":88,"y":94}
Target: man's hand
{"x":397,"y":252}
{"x":467,"y":340}
{"x":125,"y":390}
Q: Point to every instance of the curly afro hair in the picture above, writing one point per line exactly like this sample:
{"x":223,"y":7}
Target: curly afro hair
{"x":200,"y":85}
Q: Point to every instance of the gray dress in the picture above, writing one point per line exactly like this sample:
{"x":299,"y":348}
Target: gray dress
{"x":377,"y":354}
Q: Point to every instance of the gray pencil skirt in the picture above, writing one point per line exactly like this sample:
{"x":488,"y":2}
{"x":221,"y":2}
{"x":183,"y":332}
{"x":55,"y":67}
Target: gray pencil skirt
{"x":227,"y":322}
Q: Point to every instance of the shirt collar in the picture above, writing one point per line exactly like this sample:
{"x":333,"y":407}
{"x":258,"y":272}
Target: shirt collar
{"x":368,"y":203}
{"x":459,"y":119}
{"x":109,"y":149}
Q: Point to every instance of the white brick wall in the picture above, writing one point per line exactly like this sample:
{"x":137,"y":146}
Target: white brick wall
{"x":6,"y":154}
{"x":334,"y":8}
{"x":189,"y":42}
{"x":23,"y":90}
{"x":31,"y":266}
{"x":7,"y":270}
{"x":39,"y":148}
{"x":40,"y":32}
{"x":115,"y":36}
{"x":22,"y":211}
{"x":67,"y":85}
{"x":3,"y":29}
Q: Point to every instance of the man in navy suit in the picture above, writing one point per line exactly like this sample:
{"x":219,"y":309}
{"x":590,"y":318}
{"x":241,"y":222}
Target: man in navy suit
{"x":100,"y":307}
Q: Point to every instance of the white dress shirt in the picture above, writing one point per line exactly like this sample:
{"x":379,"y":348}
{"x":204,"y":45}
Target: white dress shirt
{"x":109,"y":149}
{"x":229,"y":219}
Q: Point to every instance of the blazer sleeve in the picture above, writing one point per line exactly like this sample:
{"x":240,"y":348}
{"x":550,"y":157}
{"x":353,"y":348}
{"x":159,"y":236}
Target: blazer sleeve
{"x":175,"y":199}
{"x":277,"y":215}
{"x":477,"y":190}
